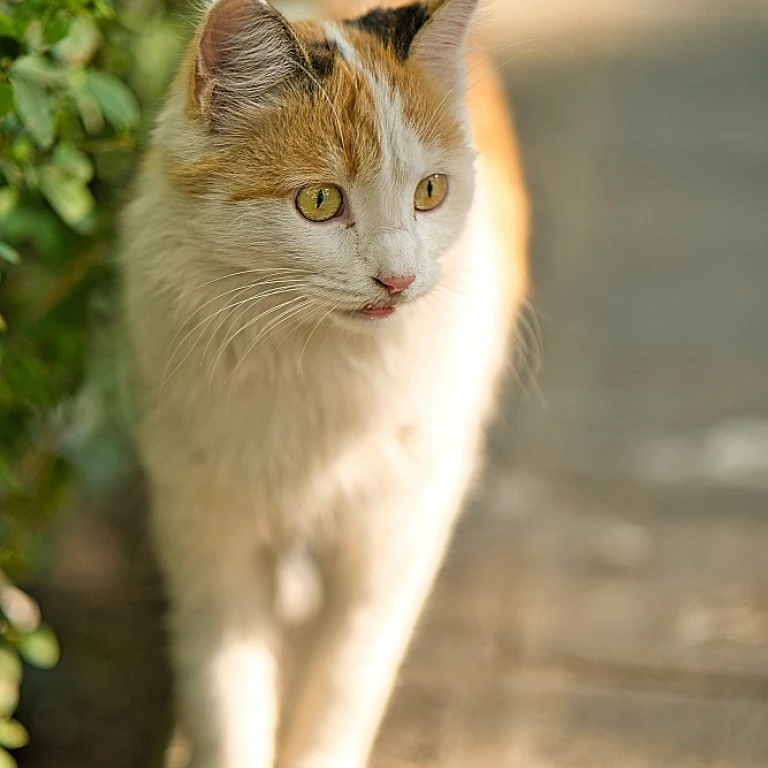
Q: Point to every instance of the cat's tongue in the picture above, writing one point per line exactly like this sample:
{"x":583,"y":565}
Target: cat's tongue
{"x":376,"y":312}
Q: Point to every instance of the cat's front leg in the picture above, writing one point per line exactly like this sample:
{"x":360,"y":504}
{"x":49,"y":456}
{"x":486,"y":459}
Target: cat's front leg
{"x":375,"y":597}
{"x":223,"y":641}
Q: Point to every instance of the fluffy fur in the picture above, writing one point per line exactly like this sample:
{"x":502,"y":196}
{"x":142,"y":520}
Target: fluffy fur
{"x":296,"y":447}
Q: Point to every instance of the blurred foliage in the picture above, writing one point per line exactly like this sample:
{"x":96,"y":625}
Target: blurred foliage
{"x":73,"y":74}
{"x":79,"y":80}
{"x":22,"y":636}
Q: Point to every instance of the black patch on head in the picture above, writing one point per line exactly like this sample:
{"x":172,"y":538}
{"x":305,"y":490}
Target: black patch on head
{"x":322,"y":57}
{"x":395,"y":27}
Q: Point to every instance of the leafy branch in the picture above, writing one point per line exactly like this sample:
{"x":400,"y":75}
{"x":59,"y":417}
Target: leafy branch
{"x":74,"y":75}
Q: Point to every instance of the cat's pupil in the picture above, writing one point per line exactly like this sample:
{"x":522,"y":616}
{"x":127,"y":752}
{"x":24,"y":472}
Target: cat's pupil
{"x":320,"y":198}
{"x":430,"y":187}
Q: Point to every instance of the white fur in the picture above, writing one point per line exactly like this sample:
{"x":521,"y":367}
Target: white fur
{"x":351,"y":440}
{"x":334,"y":33}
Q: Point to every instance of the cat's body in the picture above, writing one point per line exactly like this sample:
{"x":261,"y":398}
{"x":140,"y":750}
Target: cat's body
{"x":278,"y":430}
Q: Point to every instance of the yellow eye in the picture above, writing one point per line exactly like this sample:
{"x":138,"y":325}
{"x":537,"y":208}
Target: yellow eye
{"x":320,"y":202}
{"x":431,"y":192}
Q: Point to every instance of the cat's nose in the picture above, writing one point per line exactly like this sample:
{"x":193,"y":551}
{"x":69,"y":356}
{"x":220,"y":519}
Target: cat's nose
{"x":395,"y":283}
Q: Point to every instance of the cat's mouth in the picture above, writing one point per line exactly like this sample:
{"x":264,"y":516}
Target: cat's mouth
{"x":369,"y":313}
{"x":374,"y":312}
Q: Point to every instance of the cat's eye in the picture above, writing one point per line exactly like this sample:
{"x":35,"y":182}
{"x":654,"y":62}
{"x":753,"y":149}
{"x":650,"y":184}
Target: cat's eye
{"x":431,"y":192}
{"x":320,"y":202}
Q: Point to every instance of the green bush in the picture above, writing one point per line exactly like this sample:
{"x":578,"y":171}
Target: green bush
{"x":78,"y":83}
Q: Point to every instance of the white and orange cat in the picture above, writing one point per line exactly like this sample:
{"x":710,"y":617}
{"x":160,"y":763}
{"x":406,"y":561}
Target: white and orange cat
{"x":323,"y":261}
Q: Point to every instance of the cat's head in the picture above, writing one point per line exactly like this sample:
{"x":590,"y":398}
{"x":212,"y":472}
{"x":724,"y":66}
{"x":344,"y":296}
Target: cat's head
{"x":335,"y":153}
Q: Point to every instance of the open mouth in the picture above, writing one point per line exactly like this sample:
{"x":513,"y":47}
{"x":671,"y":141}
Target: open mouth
{"x":374,"y":312}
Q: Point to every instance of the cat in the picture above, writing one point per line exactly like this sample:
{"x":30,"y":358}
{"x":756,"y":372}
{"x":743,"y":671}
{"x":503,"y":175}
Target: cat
{"x":323,"y":259}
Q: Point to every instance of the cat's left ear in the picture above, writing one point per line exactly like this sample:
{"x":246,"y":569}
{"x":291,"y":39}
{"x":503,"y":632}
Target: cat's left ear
{"x":246,"y":52}
{"x":440,"y":42}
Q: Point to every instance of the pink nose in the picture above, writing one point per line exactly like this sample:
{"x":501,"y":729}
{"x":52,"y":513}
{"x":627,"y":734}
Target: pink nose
{"x":395,"y":284}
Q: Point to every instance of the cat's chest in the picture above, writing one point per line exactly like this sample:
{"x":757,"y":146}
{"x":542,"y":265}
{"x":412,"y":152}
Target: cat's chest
{"x":300,"y":453}
{"x":293,"y":420}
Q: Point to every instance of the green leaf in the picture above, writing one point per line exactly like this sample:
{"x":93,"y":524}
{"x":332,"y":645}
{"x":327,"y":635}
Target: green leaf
{"x":68,"y":196}
{"x":10,"y":665}
{"x":9,"y":697}
{"x":22,"y":150}
{"x":6,"y":99}
{"x":38,"y":69}
{"x":19,"y":608}
{"x":89,"y":111}
{"x":103,"y":9}
{"x":34,"y":109}
{"x":41,"y":648}
{"x":8,"y":198}
{"x":9,"y":254}
{"x":55,"y":29}
{"x":6,"y":761}
{"x":7,"y":27}
{"x":13,"y":734}
{"x":114,"y":98}
{"x":72,"y":161}
{"x":80,"y":44}
{"x":158,"y":44}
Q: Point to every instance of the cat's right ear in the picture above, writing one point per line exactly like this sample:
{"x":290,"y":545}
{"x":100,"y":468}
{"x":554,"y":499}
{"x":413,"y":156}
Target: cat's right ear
{"x":246,"y":53}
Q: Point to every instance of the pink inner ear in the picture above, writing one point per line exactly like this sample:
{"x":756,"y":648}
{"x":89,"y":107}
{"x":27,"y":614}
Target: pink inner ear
{"x":441,"y":40}
{"x":224,"y":21}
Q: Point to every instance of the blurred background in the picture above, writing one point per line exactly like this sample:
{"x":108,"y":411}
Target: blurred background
{"x":605,"y":601}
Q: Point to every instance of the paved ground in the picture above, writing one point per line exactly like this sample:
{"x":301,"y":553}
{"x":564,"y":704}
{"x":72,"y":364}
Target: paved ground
{"x":606,"y":600}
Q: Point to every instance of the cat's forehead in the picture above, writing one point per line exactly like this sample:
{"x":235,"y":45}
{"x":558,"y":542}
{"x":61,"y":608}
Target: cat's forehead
{"x":369,"y":110}
{"x":366,"y":62}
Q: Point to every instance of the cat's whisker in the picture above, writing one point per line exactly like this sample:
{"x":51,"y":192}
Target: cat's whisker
{"x":273,"y":325}
{"x":525,"y":354}
{"x":266,"y":272}
{"x":504,"y":48}
{"x":502,"y":65}
{"x":186,"y":298}
{"x":531,"y":366}
{"x":202,"y":323}
{"x":295,"y":313}
{"x":532,"y":315}
{"x":269,"y":329}
{"x":298,"y":319}
{"x":246,"y":304}
{"x":207,"y":320}
{"x":529,"y":351}
{"x":240,"y":310}
{"x":299,"y":369}
{"x":237,"y":289}
{"x":242,"y":329}
{"x":496,"y":67}
{"x":526,"y":341}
